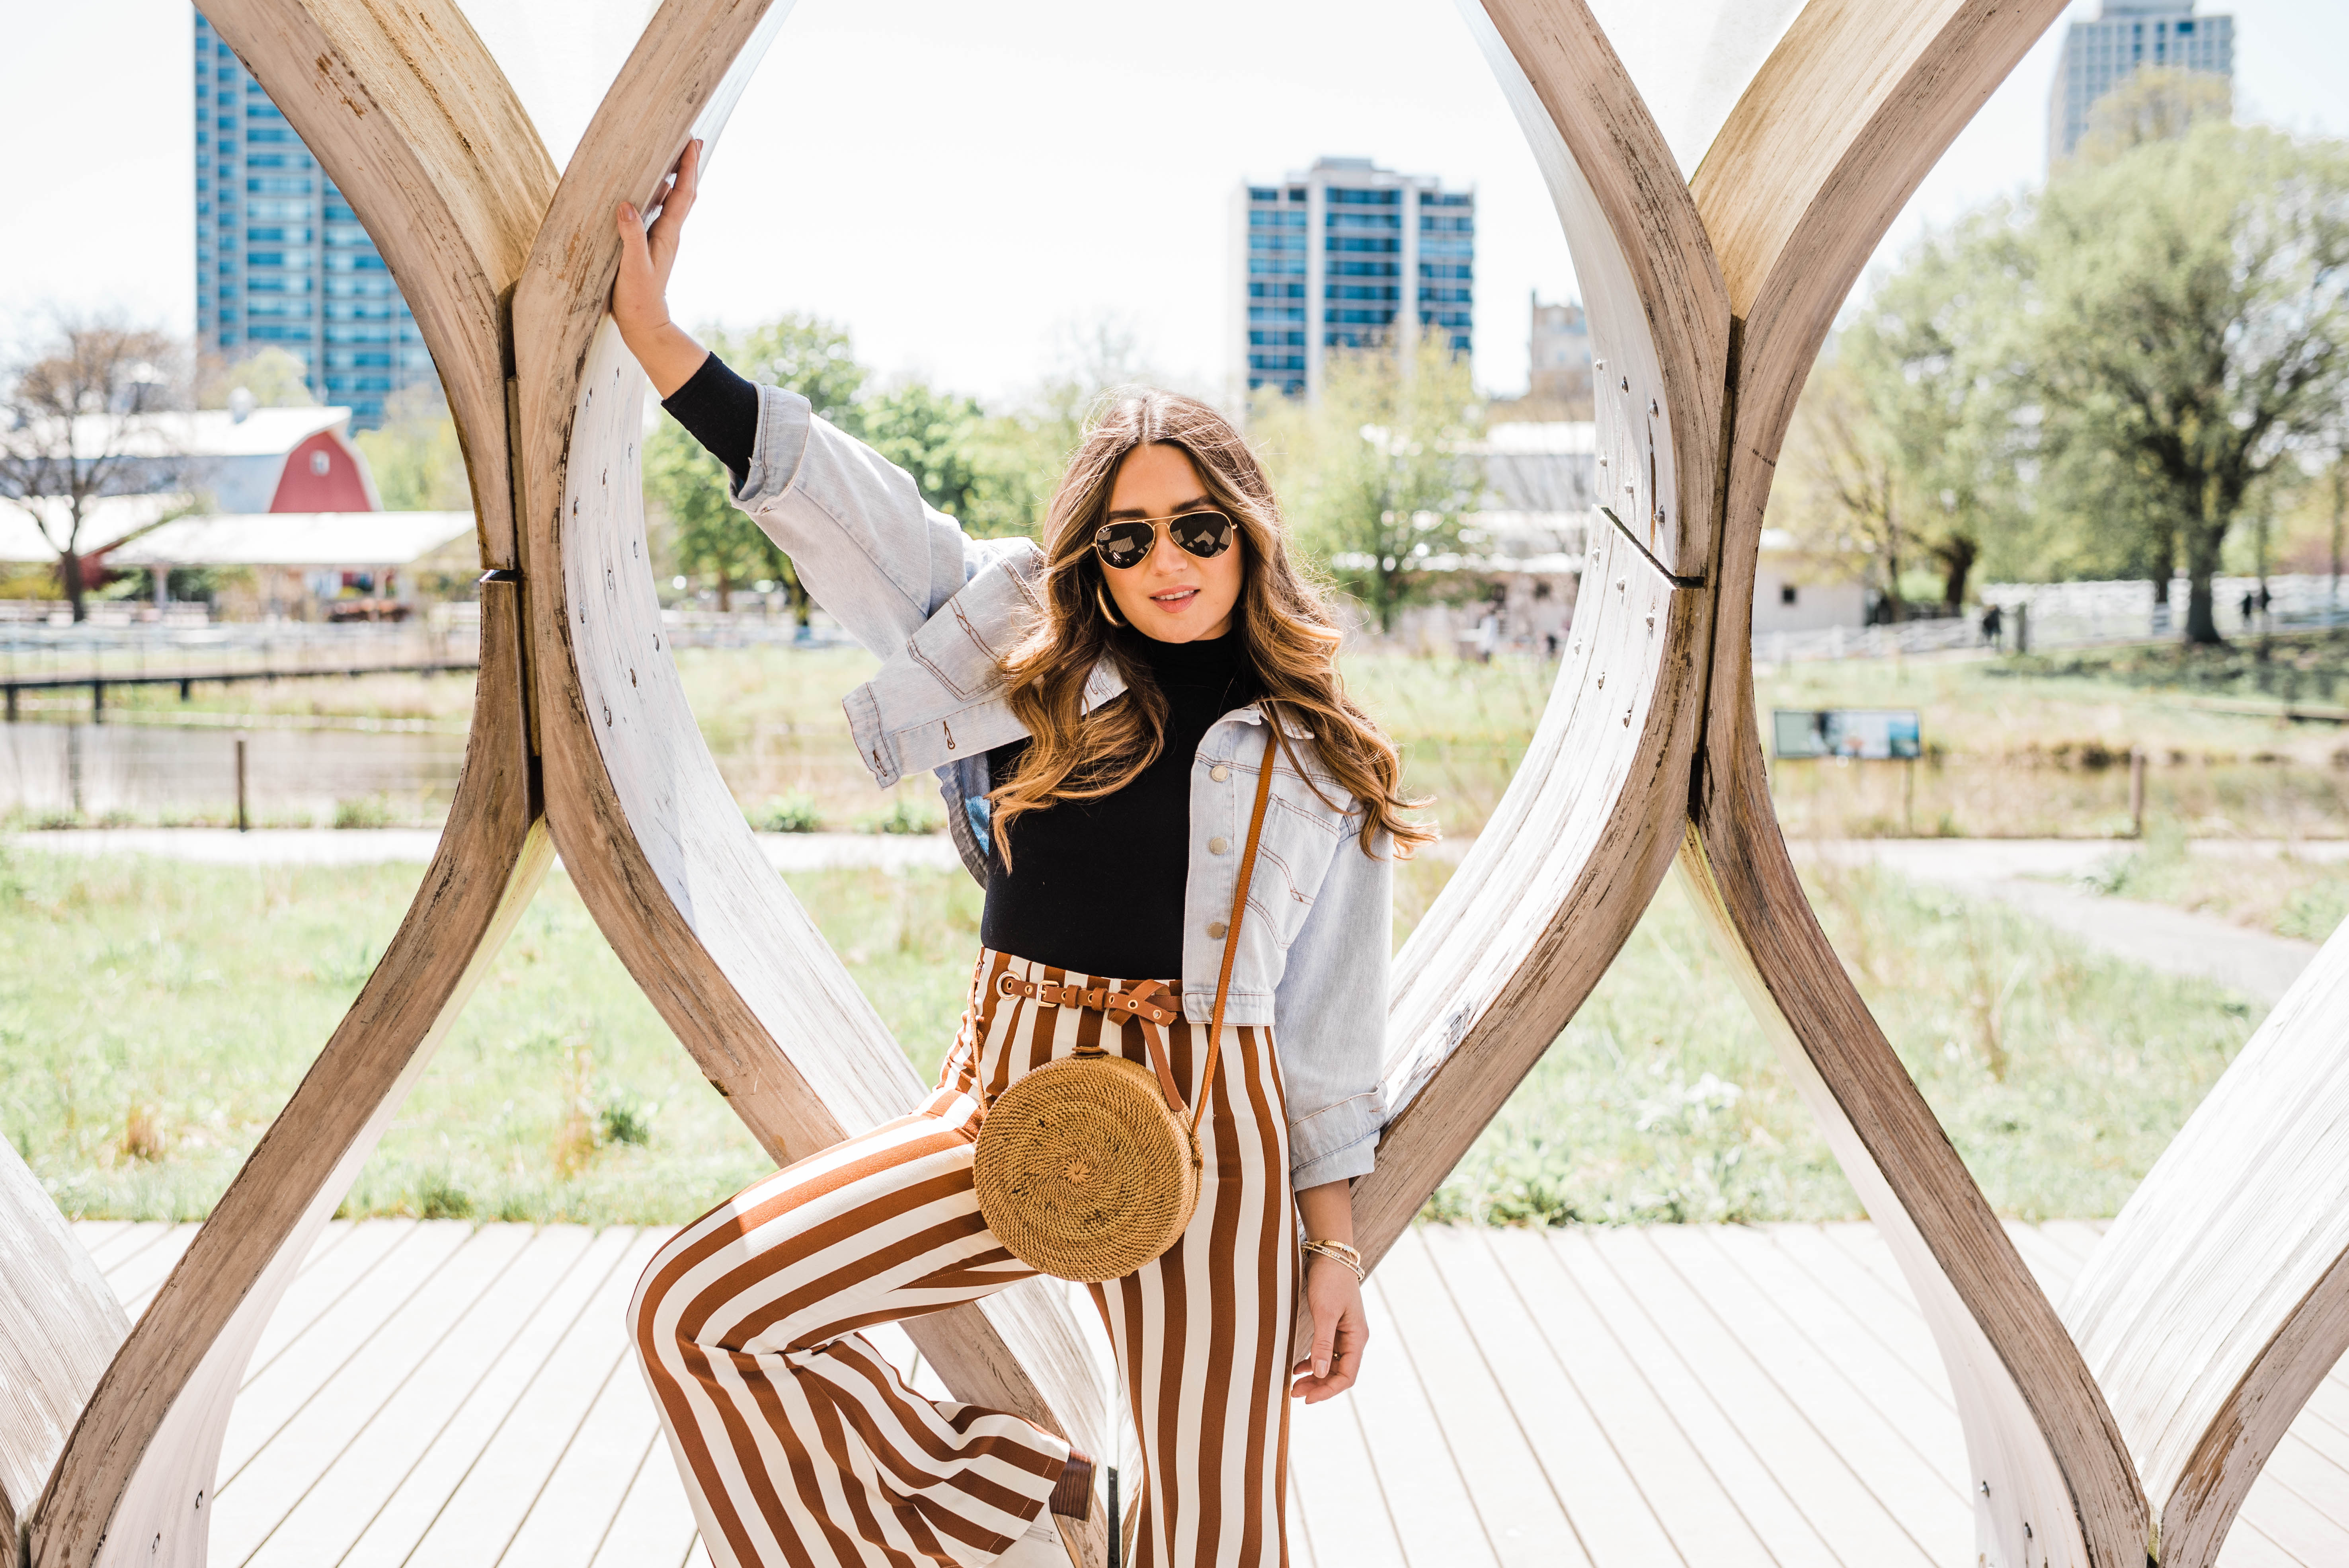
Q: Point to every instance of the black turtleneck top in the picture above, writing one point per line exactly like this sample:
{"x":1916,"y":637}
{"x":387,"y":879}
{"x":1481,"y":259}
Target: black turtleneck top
{"x":1098,"y":886}
{"x":1095,"y":886}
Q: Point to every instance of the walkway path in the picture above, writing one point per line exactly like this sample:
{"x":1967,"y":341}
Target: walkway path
{"x":2014,"y":871}
{"x":1665,"y":1397}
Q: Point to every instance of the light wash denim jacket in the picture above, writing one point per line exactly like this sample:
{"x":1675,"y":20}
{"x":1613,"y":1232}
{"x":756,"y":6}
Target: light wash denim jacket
{"x":941,"y":609}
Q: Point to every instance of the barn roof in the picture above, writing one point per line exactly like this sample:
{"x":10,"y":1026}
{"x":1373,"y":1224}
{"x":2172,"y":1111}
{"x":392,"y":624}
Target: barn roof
{"x":345,"y":539}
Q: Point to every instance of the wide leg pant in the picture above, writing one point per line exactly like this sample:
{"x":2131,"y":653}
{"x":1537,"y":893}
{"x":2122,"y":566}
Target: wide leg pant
{"x":801,"y":1446}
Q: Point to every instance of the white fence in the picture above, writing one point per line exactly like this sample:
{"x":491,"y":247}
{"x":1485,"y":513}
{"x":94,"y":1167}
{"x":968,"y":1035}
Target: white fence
{"x":36,"y":650}
{"x":2071,"y":615}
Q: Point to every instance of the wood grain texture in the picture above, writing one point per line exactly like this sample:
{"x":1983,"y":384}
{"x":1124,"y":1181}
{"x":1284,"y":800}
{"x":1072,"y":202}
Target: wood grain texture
{"x":406,"y":110}
{"x":1659,"y":309}
{"x":657,"y":847}
{"x":60,"y":1324}
{"x":1855,"y":104}
{"x":1587,"y":828}
{"x":2219,"y":1301}
{"x":131,"y":1483}
{"x":416,"y":124}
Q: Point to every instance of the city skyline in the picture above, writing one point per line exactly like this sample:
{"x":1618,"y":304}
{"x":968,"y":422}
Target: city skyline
{"x":281,"y":260}
{"x":2127,"y":36}
{"x":1327,"y":257}
{"x":1008,"y":138}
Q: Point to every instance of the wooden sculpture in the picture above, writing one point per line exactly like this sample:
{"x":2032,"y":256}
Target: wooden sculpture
{"x":2217,"y":1301}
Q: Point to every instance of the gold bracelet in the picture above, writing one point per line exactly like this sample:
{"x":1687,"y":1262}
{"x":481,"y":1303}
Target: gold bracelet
{"x":1342,"y":1253}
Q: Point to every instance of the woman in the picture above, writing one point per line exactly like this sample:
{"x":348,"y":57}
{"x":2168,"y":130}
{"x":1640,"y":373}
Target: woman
{"x":1095,"y":711}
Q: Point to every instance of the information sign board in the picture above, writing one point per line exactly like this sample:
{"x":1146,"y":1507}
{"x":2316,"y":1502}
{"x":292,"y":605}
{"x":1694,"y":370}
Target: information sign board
{"x":1866,"y":734}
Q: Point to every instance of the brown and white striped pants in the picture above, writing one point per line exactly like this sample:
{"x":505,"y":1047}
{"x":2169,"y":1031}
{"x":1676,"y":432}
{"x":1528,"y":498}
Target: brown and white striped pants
{"x":801,"y":1446}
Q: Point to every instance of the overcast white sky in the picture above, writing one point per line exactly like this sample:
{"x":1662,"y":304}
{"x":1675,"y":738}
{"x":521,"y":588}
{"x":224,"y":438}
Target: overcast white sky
{"x":965,"y":183}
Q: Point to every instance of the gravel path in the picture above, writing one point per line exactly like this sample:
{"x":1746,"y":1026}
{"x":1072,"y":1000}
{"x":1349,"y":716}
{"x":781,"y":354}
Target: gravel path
{"x":2013,"y":871}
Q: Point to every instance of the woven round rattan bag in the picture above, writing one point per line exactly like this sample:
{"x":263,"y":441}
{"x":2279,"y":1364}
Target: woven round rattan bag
{"x":1082,"y":1170}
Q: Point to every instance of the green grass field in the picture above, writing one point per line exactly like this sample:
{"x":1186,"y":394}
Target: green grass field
{"x":2039,"y":747}
{"x":154,"y":1017}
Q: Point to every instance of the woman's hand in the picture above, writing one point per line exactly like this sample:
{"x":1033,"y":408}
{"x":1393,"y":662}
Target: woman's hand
{"x":640,"y":293}
{"x":1334,"y":1296}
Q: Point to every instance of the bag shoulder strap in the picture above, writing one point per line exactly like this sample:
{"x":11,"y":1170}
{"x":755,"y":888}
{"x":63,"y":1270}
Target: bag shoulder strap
{"x":1240,"y":908}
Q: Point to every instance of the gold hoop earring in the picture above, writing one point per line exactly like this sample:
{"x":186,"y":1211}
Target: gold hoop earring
{"x":1102,"y":602}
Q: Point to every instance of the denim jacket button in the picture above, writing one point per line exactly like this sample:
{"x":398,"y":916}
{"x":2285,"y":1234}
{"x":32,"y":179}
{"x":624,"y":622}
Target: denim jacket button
{"x":1215,"y":929}
{"x":1217,"y":846}
{"x":1220,"y":773}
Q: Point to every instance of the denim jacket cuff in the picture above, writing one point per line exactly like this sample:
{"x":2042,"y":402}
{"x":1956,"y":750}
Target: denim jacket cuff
{"x":783,"y":427}
{"x":1341,"y":1165}
{"x":1336,"y":1142}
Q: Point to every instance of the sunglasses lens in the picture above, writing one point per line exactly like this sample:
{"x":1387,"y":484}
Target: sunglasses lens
{"x":1125,"y":544}
{"x":1205,"y":534}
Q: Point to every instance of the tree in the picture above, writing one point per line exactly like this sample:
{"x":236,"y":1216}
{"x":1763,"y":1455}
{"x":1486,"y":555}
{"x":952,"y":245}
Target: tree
{"x":77,"y":423}
{"x":417,"y":463}
{"x":1372,"y":476}
{"x":272,"y":377}
{"x":930,"y":435}
{"x":705,"y":534}
{"x":2190,"y":318}
{"x":802,"y":353}
{"x":2153,"y":103}
{"x":936,"y":437}
{"x":1901,"y":450}
{"x":1837,"y":492}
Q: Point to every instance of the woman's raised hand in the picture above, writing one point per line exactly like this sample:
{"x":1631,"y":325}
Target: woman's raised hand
{"x":640,"y":293}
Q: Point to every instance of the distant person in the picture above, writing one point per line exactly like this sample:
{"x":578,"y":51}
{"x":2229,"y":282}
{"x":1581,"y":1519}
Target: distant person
{"x":1105,"y":705}
{"x":2250,"y":602}
{"x":1993,"y":626}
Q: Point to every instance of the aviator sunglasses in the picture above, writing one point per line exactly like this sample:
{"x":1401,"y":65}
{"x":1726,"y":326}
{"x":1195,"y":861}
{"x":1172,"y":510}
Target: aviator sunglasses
{"x":1128,"y":542}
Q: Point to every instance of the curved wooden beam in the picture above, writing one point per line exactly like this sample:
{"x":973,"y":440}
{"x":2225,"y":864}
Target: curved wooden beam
{"x":132,"y":1485}
{"x":1857,"y":103}
{"x":659,"y":848}
{"x":404,"y":108}
{"x":2219,"y":1298}
{"x":407,"y":113}
{"x":59,"y":1327}
{"x":1588,"y":825}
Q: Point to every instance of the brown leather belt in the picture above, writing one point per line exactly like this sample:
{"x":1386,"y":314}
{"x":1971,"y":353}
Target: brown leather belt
{"x":1149,"y":1002}
{"x":1141,"y":1001}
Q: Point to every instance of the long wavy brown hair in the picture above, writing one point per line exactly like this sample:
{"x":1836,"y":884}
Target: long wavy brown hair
{"x":1290,"y":636}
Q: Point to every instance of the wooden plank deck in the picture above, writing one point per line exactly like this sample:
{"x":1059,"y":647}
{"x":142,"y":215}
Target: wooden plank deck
{"x":1710,"y":1396}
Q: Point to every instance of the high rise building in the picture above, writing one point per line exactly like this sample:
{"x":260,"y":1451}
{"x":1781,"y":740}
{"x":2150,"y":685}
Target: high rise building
{"x":1348,"y":255}
{"x":2099,"y":56}
{"x":280,"y":260}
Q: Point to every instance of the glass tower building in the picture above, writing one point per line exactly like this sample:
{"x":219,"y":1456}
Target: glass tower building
{"x":2099,"y":56}
{"x":281,"y":261}
{"x":1348,"y":255}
